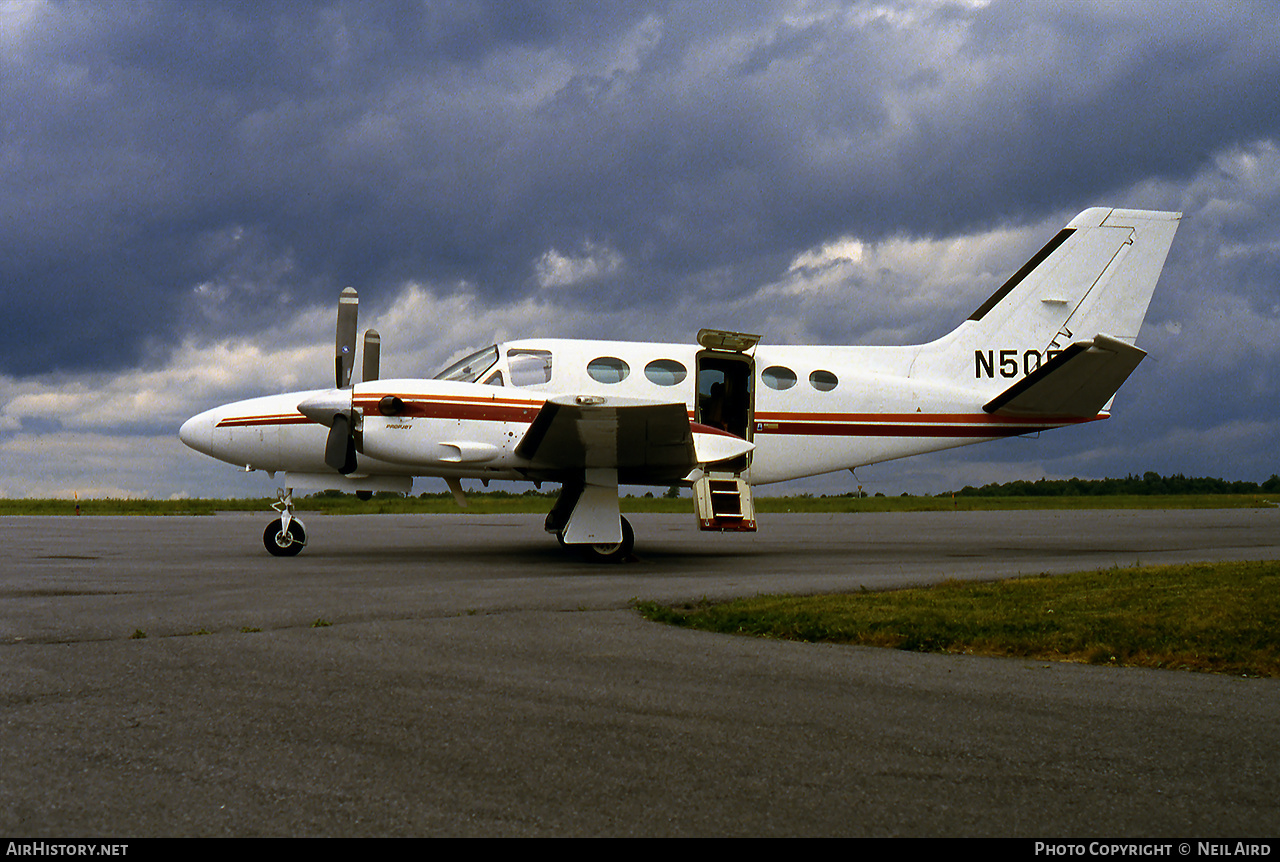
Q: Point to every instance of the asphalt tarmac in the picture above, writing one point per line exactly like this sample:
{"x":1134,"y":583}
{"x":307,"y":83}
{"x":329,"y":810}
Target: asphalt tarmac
{"x":460,"y":675}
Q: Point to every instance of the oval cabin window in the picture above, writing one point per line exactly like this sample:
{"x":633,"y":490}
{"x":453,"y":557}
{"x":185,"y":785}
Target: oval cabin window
{"x":665,"y":372}
{"x":778,"y":377}
{"x":608,"y":369}
{"x":823,"y":381}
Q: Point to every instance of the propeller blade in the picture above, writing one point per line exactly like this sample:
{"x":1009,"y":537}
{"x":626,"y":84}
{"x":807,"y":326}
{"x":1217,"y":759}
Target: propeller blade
{"x":340,"y":446}
{"x":345,"y":342}
{"x":372,"y":349}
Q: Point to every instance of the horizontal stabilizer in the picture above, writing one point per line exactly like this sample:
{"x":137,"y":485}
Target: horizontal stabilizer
{"x":1077,"y":383}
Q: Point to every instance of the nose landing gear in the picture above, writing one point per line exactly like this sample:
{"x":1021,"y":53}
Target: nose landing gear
{"x":282,"y":541}
{"x":286,"y":536}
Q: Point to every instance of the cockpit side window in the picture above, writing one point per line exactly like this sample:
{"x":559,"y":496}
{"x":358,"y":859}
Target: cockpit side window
{"x":470,"y":368}
{"x":529,"y":367}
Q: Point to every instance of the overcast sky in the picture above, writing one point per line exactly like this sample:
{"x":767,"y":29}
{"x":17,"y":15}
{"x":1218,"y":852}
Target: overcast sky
{"x":186,"y":187}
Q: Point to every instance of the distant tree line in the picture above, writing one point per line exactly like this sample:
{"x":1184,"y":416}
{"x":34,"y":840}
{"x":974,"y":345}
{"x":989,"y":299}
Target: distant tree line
{"x":1147,"y":483}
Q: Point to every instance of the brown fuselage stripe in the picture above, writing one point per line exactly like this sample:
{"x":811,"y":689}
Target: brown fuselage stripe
{"x":923,"y":418}
{"x":248,"y":421}
{"x":839,"y":429}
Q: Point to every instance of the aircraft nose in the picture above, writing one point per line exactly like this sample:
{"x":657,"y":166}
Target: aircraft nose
{"x":197,"y":432}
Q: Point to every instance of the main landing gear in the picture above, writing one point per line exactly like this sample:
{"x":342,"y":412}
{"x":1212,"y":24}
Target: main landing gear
{"x":285,"y":536}
{"x":607,"y":553}
{"x":593,"y":552}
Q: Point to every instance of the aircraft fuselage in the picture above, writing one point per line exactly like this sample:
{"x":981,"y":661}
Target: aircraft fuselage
{"x":841,"y":407}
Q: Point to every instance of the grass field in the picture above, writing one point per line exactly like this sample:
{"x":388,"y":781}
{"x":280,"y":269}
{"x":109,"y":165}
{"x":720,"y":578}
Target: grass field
{"x":1222,"y":617}
{"x":503,"y":503}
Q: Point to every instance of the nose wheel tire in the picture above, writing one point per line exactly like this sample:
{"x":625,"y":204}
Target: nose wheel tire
{"x":612,"y":552}
{"x":282,"y":543}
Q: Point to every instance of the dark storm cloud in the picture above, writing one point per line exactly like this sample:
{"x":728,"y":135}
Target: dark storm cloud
{"x":178,"y":168}
{"x":254,"y":148}
{"x":1099,"y":95}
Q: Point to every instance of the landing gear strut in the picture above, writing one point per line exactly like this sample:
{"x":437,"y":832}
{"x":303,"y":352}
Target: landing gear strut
{"x":284,"y":537}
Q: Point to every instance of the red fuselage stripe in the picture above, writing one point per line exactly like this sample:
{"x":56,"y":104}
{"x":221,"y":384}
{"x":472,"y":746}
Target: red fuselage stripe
{"x":790,"y":424}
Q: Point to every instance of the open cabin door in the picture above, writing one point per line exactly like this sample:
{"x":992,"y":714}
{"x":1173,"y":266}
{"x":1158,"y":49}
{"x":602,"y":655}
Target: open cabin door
{"x":726,"y":400}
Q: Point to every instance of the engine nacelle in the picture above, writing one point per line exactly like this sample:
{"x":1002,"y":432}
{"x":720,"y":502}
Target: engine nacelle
{"x":426,"y":442}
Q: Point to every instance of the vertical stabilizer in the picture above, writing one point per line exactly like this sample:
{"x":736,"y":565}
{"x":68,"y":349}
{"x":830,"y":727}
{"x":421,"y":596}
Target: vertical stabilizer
{"x":1095,"y":277}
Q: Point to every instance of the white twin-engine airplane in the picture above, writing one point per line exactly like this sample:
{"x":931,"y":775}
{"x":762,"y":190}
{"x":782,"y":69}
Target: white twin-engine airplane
{"x":1049,"y":348}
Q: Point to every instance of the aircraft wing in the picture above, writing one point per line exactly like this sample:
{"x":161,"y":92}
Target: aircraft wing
{"x":646,"y":442}
{"x":1078,"y":382}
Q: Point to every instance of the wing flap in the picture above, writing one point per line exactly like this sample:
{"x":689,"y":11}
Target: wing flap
{"x":645,"y":441}
{"x":1077,"y":383}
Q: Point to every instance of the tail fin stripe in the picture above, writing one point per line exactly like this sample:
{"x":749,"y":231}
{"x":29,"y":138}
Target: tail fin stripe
{"x":1027,"y":269}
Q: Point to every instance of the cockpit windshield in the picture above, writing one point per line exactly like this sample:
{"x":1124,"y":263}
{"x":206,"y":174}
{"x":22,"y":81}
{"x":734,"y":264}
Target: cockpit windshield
{"x":469,"y":368}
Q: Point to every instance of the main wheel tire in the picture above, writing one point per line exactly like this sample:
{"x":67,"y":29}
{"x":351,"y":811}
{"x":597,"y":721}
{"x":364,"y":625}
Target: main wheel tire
{"x":614,"y":552}
{"x":281,"y":544}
